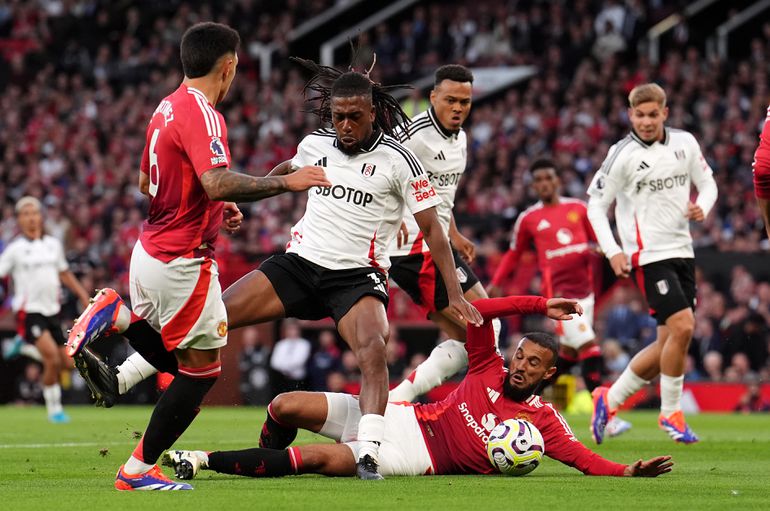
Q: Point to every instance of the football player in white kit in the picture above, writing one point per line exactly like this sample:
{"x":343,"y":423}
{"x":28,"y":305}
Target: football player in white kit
{"x":437,"y":139}
{"x":650,"y":173}
{"x":336,"y":262}
{"x":37,"y":265}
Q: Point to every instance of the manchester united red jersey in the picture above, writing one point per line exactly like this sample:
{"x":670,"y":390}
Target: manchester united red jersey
{"x":457,"y":429}
{"x":185,"y":138}
{"x":561,"y":235}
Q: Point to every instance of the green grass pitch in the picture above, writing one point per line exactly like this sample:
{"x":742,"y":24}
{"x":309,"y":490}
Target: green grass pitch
{"x":72,"y":466}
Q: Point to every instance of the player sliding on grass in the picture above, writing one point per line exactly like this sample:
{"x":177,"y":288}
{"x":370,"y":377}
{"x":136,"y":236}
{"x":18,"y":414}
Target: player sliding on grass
{"x":448,"y":437}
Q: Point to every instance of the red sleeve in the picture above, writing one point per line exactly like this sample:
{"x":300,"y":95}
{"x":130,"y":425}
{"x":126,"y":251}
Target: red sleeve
{"x":761,"y":163}
{"x":561,"y":445}
{"x":520,"y":240}
{"x":205,"y":138}
{"x":505,"y":268}
{"x":480,"y":342}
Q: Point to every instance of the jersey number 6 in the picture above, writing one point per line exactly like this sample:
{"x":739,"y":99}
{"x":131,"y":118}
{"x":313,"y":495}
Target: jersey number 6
{"x":154,"y":170}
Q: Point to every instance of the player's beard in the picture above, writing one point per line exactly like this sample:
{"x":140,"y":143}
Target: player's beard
{"x":517,"y":393}
{"x":349,"y":150}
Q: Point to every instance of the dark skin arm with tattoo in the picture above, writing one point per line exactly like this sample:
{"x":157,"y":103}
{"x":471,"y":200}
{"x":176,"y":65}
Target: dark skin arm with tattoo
{"x":224,"y":185}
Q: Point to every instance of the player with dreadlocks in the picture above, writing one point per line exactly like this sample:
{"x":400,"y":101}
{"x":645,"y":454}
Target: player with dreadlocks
{"x":336,"y":262}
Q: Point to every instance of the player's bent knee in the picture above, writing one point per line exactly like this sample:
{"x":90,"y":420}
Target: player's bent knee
{"x":286,"y":405}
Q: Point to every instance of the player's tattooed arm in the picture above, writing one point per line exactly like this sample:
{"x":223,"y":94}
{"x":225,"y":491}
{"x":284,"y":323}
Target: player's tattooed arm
{"x":282,"y":169}
{"x":225,"y":185}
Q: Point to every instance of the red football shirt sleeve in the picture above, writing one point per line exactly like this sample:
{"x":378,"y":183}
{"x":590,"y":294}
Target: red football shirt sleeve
{"x":204,"y":138}
{"x":561,"y":445}
{"x":520,"y":240}
{"x":480,"y":343}
{"x":507,"y":263}
{"x":761,"y":163}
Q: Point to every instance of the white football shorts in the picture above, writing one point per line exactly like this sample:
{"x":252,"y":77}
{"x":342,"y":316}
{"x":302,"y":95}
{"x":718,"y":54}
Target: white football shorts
{"x":403,"y":451}
{"x":181,"y":299}
{"x":579,"y":330}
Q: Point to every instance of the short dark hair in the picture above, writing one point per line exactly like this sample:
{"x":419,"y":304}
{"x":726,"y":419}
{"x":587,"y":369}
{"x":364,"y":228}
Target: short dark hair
{"x":547,"y":341}
{"x":543,"y":163}
{"x":202,"y":46}
{"x":351,"y":84}
{"x":454,"y":72}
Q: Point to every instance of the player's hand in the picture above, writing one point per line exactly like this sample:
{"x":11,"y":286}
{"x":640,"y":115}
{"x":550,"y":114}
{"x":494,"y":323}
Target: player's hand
{"x":465,"y":247}
{"x":620,"y":266}
{"x":650,"y":468}
{"x":694,"y":212}
{"x":306,"y":177}
{"x":461,"y":309}
{"x":494,"y":291}
{"x":563,"y":308}
{"x":402,"y":236}
{"x":232,"y":218}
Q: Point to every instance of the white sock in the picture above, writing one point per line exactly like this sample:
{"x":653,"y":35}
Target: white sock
{"x":52,"y":396}
{"x":670,"y":394}
{"x":123,"y":321}
{"x":626,"y":385}
{"x":133,"y":370}
{"x":444,"y":361}
{"x":371,"y":431}
{"x":204,"y":457}
{"x":30,"y":351}
{"x":134,"y":467}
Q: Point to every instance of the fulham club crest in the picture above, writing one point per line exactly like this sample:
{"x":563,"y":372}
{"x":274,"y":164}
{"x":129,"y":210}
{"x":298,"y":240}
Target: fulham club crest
{"x":367,"y":170}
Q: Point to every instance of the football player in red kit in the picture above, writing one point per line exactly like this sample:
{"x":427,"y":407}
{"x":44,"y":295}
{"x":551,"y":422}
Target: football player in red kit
{"x":558,"y":228}
{"x":447,"y":437}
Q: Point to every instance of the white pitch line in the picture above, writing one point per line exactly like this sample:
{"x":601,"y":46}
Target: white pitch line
{"x":61,"y":444}
{"x":85,"y":444}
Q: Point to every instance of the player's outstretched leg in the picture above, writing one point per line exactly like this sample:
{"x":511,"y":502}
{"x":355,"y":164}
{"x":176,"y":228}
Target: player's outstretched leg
{"x":101,"y":379}
{"x":106,"y":314}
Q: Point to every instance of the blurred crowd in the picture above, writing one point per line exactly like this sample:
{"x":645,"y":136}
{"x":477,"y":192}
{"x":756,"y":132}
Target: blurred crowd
{"x":80,"y":78}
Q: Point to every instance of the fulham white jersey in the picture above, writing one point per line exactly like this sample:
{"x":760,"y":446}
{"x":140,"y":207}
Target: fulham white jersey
{"x":35,"y":266}
{"x":651,"y":184}
{"x":444,"y":155}
{"x":351,"y":224}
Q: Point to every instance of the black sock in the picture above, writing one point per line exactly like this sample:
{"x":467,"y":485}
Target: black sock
{"x":252,"y":462}
{"x":149,"y":344}
{"x":175,"y":411}
{"x":591,"y":368}
{"x":275,"y":435}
